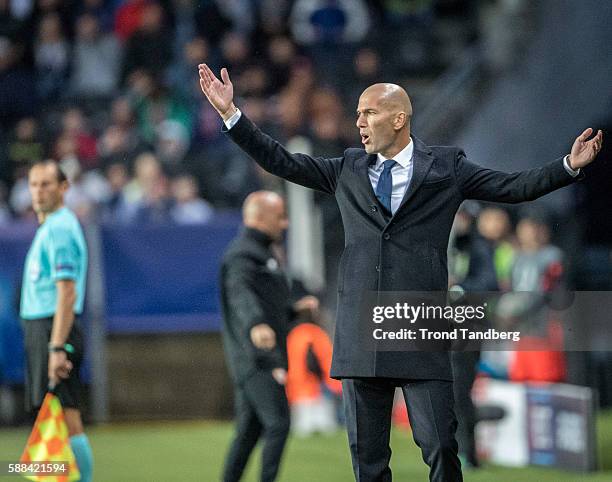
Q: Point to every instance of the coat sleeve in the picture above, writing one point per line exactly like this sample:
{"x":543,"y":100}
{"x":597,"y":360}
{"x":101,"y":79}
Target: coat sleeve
{"x":479,"y":183}
{"x":313,"y":172}
{"x":246,"y":310}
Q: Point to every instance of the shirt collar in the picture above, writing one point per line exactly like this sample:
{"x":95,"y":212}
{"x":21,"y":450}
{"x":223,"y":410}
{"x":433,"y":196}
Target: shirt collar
{"x":259,"y":236}
{"x":59,"y":210}
{"x":403,"y":157}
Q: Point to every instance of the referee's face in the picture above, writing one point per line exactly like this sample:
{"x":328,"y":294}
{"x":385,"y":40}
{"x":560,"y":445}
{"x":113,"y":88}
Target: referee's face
{"x":46,"y":189}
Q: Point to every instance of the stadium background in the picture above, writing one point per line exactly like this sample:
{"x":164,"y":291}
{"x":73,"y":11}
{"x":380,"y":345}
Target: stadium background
{"x":110,"y":89}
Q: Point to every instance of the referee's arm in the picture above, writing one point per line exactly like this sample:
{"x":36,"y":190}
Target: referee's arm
{"x":63,"y":319}
{"x":64,"y":311}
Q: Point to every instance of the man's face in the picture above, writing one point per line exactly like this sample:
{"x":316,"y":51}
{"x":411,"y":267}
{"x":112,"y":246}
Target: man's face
{"x":46,"y":190}
{"x":375,"y":122}
{"x":531,"y":235}
{"x":276,"y":220}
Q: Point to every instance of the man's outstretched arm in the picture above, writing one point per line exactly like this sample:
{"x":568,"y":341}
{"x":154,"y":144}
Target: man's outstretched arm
{"x":476,"y":182}
{"x":316,"y":173}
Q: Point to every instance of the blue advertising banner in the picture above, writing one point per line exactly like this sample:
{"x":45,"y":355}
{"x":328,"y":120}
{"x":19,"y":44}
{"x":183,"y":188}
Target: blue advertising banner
{"x":164,"y":278}
{"x":157,"y":279}
{"x":14,"y":244}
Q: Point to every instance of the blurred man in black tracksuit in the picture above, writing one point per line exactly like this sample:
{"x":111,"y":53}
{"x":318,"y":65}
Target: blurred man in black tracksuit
{"x":256,"y":303}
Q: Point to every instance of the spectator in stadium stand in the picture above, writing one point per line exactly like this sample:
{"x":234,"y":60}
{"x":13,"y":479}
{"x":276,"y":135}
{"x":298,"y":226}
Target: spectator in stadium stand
{"x":211,"y":21}
{"x":396,"y":240}
{"x":156,"y":203}
{"x":24,"y":147}
{"x":101,"y":9}
{"x":96,"y":60}
{"x":172,"y":143}
{"x":366,"y":71}
{"x":180,"y":75}
{"x":76,"y":131}
{"x":155,"y":103}
{"x":329,"y":30}
{"x":281,"y":54}
{"x":114,"y":208}
{"x":128,"y":18}
{"x":150,"y":46}
{"x":147,"y":171}
{"x":329,"y":22}
{"x":16,"y":84}
{"x":536,"y":257}
{"x":189,"y":207}
{"x":255,"y":299}
{"x":51,"y":57}
{"x":537,"y":272}
{"x":121,"y":141}
{"x":494,"y":225}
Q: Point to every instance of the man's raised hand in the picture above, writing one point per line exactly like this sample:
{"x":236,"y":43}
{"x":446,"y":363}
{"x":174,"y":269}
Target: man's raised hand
{"x":220,"y":93}
{"x":583,"y":151}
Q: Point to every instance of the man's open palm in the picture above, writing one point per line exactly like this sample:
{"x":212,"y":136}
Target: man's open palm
{"x":584,"y":151}
{"x":220,"y":93}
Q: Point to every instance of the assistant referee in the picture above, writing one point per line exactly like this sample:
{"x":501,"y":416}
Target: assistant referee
{"x":52,"y":298}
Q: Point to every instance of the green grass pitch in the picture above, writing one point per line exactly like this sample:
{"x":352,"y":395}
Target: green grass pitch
{"x":194,"y":451}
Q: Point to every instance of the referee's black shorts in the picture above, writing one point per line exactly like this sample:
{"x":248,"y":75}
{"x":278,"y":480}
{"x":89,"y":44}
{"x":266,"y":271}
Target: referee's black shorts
{"x":37,"y":334}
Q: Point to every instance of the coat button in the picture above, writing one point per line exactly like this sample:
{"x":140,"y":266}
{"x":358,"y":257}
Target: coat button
{"x":387,"y":236}
{"x":373,"y":208}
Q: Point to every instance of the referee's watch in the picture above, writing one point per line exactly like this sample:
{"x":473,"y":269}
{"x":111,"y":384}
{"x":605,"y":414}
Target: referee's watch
{"x":66,"y":348}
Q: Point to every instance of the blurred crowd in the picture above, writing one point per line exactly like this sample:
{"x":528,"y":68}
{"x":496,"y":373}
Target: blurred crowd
{"x":496,"y":248}
{"x":511,"y":252}
{"x":110,"y":88}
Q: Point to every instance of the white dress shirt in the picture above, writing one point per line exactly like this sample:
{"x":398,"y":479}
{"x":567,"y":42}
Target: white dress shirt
{"x":402,"y":171}
{"x":401,"y":174}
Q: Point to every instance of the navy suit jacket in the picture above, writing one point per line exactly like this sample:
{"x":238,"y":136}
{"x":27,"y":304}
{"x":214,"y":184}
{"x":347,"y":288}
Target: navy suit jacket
{"x":403,"y":252}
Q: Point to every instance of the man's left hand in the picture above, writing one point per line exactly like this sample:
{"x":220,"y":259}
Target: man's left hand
{"x":59,"y":367}
{"x":583,"y":151}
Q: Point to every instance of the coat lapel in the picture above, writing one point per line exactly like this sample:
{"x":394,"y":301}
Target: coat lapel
{"x":364,"y":178}
{"x":421,"y":161}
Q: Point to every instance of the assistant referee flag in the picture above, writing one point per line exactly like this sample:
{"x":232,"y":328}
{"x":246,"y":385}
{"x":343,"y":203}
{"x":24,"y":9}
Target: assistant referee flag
{"x":49,"y":443}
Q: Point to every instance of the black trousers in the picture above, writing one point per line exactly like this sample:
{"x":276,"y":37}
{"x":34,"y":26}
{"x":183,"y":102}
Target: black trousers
{"x":368,"y":404}
{"x":36,"y":334}
{"x":261,"y":411}
{"x":464,"y":373}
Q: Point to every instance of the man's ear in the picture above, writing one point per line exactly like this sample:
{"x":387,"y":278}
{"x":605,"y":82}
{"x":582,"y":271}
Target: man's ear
{"x":400,"y":120}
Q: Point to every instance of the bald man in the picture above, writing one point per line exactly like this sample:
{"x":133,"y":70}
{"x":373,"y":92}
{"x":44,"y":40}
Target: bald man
{"x":256,"y":311}
{"x":398,"y":198}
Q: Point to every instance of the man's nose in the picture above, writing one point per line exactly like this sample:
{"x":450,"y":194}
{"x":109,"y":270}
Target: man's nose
{"x":360,"y":121}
